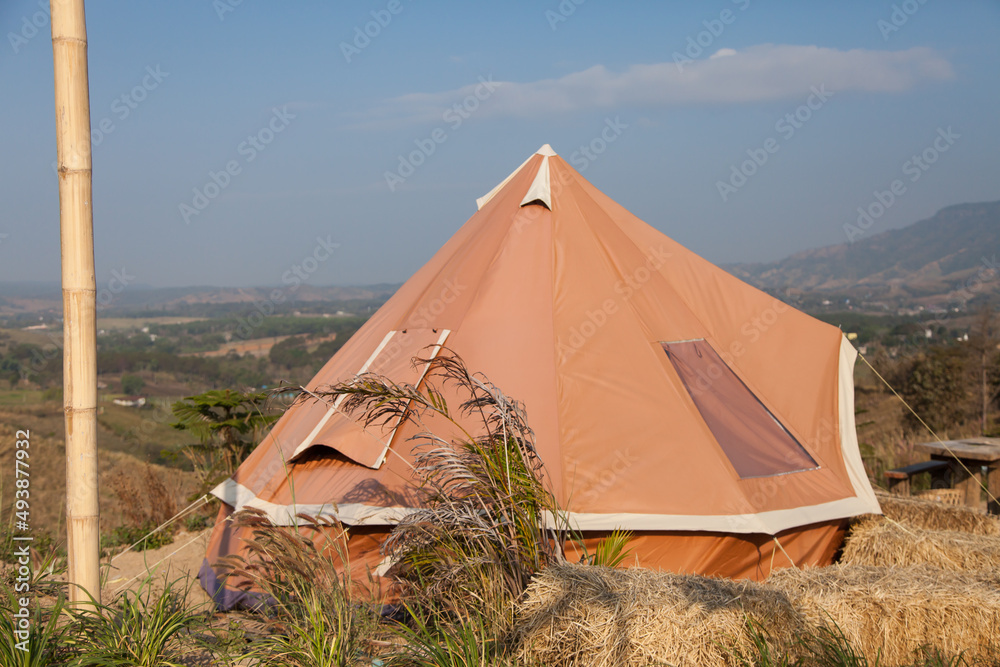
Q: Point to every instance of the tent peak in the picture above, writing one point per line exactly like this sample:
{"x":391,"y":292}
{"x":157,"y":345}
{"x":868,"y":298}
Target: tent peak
{"x":539,"y":190}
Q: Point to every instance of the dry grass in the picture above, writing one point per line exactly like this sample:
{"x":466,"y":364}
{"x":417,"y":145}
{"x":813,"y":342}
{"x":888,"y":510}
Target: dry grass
{"x":48,"y":469}
{"x":878,"y":541}
{"x":892,"y":612}
{"x":937,"y":516}
{"x":583,"y":615}
{"x":575,"y":615}
{"x":154,"y":505}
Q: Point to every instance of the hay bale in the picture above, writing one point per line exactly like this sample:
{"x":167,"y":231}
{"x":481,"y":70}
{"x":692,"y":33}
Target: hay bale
{"x":937,"y":516}
{"x":580,"y":615}
{"x":954,"y":497}
{"x":893,"y":612}
{"x":877,"y":541}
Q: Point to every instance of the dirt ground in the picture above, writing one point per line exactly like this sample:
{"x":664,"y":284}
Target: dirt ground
{"x":177,"y":562}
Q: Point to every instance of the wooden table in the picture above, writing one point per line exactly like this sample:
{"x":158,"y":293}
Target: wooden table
{"x":974,"y":453}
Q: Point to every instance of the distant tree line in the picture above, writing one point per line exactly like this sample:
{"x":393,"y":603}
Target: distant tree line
{"x":361,"y":307}
{"x":35,"y":363}
{"x":171,"y":349}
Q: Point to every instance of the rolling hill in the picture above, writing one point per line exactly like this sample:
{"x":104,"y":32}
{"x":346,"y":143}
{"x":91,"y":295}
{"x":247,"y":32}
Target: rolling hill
{"x":952,"y":257}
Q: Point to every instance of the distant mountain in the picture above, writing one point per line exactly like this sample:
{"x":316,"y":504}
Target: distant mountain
{"x":19,"y":298}
{"x":952,"y":256}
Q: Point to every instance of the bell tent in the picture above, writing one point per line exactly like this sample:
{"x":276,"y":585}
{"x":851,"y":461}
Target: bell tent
{"x":667,"y":397}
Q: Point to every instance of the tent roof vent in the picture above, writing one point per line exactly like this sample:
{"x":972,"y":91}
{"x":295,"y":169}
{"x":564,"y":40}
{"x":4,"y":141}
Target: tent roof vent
{"x":540,"y":192}
{"x":539,"y":189}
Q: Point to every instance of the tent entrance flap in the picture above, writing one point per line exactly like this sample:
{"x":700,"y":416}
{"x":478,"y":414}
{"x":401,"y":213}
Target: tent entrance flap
{"x":393,"y":358}
{"x":752,"y":438}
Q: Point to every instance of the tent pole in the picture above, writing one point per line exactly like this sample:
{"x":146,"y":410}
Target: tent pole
{"x":72,"y":97}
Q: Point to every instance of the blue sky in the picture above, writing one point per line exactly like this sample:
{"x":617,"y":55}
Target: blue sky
{"x":309,"y":115}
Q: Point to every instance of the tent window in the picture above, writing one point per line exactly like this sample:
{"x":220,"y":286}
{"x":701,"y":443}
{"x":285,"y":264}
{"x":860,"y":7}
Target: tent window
{"x":755,"y":442}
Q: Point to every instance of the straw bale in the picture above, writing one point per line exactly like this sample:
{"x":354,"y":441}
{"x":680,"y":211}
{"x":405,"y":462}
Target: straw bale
{"x":585,"y":615}
{"x":578,"y":615}
{"x":878,"y":541}
{"x":893,"y":612}
{"x":937,"y":516}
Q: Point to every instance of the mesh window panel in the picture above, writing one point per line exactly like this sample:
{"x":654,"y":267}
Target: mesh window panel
{"x":752,"y":438}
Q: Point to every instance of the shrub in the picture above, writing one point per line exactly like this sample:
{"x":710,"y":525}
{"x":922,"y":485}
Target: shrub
{"x":139,"y":537}
{"x":936,"y":386}
{"x":144,"y":512}
{"x":132,"y":384}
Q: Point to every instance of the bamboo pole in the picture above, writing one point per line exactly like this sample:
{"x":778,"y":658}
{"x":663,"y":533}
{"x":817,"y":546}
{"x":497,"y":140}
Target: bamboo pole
{"x":72,"y":96}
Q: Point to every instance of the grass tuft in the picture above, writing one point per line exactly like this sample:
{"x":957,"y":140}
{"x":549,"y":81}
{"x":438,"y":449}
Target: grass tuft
{"x":141,"y":628}
{"x":315,"y":613}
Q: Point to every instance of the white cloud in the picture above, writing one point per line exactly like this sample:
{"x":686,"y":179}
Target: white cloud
{"x":721,"y":53}
{"x":756,"y":74}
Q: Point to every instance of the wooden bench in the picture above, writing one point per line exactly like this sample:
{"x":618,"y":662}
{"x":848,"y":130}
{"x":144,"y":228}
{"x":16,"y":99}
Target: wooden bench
{"x":899,"y":478}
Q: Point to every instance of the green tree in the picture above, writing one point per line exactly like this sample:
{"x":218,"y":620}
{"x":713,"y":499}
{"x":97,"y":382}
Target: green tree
{"x":228,"y":425}
{"x":132,"y":384}
{"x":289,"y":353}
{"x":11,"y":370}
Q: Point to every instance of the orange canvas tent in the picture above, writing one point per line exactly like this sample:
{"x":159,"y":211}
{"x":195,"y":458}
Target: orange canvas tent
{"x":667,"y":397}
